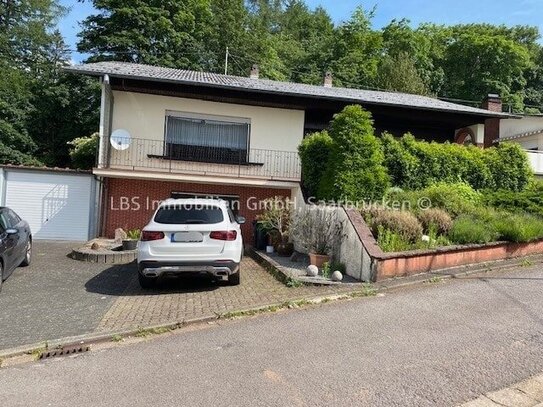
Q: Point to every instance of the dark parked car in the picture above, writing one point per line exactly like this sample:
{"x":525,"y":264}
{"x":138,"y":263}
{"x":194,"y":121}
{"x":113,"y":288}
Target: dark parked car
{"x":15,"y":243}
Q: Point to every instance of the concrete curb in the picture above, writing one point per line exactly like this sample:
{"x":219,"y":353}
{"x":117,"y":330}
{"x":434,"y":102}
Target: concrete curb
{"x":364,"y":290}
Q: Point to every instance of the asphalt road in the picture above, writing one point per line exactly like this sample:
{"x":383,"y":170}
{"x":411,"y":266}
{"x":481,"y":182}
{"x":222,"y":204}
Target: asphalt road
{"x":440,"y":344}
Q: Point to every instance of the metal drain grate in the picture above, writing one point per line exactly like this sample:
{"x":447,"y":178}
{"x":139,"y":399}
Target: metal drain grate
{"x":65,"y":351}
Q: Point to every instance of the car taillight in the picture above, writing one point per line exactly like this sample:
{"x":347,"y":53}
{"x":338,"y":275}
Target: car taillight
{"x":147,"y":235}
{"x":228,"y":235}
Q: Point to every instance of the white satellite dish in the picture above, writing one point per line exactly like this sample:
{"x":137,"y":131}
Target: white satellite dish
{"x":120,"y":139}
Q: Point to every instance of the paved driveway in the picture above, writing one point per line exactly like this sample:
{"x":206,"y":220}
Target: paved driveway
{"x":436,"y":345}
{"x":57,"y":297}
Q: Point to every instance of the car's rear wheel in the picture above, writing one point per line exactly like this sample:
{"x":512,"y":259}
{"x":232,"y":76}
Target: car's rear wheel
{"x":234,"y":279}
{"x":147,"y":282}
{"x":28,"y":255}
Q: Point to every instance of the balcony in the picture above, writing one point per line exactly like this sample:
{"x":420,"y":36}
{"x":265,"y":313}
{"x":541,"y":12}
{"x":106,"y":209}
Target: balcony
{"x":146,"y":155}
{"x":536,"y":160}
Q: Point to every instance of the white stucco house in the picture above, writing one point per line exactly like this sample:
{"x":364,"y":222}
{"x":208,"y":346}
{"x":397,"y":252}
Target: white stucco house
{"x":205,"y":134}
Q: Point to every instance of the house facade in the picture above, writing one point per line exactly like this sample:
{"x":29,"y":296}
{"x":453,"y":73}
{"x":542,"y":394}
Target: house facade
{"x":528,"y":132}
{"x":175,"y":133}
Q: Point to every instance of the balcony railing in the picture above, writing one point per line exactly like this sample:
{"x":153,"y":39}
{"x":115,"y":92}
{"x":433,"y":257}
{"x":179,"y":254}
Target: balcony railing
{"x":156,"y":155}
{"x":536,"y":159}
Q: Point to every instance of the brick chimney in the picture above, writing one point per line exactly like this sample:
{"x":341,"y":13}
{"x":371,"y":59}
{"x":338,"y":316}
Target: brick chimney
{"x":492,"y":102}
{"x":255,"y":72}
{"x":328,"y":80}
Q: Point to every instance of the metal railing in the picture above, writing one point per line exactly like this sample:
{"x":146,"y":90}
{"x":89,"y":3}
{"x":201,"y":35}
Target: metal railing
{"x":156,"y":155}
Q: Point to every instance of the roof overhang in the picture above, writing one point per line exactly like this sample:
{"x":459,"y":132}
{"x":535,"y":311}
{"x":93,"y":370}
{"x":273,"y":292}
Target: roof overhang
{"x":273,"y":88}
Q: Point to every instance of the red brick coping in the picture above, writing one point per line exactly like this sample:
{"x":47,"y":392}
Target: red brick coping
{"x":400,"y":264}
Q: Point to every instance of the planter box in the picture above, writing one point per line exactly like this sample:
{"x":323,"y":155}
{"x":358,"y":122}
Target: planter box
{"x":380,"y":265}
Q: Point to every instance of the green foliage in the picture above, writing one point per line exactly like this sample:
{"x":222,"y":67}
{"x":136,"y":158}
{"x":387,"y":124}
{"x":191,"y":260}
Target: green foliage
{"x":314,"y":154}
{"x":467,"y":229}
{"x":530,"y":200}
{"x":390,"y":241}
{"x":355,"y":169}
{"x":330,"y":266}
{"x":455,"y":198}
{"x":398,"y":73}
{"x":518,"y":227}
{"x":416,"y":164}
{"x":133,"y":234}
{"x":436,"y":220}
{"x":83,"y":151}
{"x":277,"y":217}
{"x":403,"y":223}
{"x":483,"y":59}
{"x":509,"y":166}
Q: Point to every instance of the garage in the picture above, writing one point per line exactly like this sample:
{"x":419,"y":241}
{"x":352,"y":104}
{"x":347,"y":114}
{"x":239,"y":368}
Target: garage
{"x":58,"y":204}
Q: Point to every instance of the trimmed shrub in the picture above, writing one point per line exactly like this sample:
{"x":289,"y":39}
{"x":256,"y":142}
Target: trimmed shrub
{"x":435,"y":219}
{"x":416,"y":164}
{"x":355,"y":169}
{"x":510,"y":167}
{"x":455,"y":198}
{"x":314,"y":152}
{"x":403,"y":223}
{"x":468,"y":229}
{"x":402,"y":166}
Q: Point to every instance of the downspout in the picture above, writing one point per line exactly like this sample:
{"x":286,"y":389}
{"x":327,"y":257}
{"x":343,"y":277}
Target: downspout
{"x":103,"y":151}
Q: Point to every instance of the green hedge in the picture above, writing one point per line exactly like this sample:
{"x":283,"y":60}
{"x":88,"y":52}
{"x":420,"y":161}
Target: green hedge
{"x":416,"y":164}
{"x":350,"y":162}
{"x":314,"y":153}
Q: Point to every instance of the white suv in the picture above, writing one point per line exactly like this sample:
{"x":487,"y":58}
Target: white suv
{"x":191,"y":236}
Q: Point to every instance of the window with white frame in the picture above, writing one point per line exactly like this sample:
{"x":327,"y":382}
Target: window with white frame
{"x":206,"y":138}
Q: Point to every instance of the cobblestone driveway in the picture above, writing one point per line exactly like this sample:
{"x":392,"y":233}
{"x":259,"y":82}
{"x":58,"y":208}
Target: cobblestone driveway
{"x":57,"y":297}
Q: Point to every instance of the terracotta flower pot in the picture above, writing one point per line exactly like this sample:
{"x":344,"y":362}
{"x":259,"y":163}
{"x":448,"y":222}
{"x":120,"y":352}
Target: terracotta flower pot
{"x":318,"y":259}
{"x":284,"y":249}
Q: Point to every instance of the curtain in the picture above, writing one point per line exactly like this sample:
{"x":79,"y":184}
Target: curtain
{"x":206,"y":133}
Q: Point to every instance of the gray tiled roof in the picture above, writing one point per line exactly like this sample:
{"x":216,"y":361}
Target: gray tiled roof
{"x":161,"y":74}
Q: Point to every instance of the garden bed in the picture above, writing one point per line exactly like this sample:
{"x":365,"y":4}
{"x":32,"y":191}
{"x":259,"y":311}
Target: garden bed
{"x":383,"y":265}
{"x":107,"y":251}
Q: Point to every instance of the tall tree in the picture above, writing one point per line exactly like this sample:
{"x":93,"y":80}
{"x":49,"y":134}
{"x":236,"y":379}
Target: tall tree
{"x":480,"y":60}
{"x":357,"y":50}
{"x":167,"y":33}
{"x":398,"y":73}
{"x":26,"y":36}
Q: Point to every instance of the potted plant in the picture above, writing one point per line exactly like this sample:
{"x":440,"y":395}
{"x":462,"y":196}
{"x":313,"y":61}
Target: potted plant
{"x":318,"y":232}
{"x":131,"y":241}
{"x":277,"y":218}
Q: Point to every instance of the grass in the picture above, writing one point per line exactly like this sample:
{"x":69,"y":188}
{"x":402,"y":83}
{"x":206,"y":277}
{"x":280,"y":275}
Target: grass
{"x":116,"y":338}
{"x":435,"y":280}
{"x":526,"y":263}
{"x":144,"y":333}
{"x":468,"y":229}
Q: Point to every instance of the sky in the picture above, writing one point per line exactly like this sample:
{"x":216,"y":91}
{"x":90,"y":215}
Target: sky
{"x":509,"y":12}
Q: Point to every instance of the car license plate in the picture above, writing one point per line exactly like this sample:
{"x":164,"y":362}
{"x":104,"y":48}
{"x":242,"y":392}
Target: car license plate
{"x":187,"y":237}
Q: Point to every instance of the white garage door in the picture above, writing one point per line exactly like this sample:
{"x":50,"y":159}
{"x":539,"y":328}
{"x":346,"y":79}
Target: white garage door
{"x":56,"y":205}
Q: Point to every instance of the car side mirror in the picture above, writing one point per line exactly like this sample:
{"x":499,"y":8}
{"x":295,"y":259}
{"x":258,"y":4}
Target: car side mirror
{"x":240,"y":220}
{"x":11,"y":231}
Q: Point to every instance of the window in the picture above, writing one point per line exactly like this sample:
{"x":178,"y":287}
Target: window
{"x":189,"y":215}
{"x":233,"y":200}
{"x":4,"y":221}
{"x":14,"y":219}
{"x":207,"y":139}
